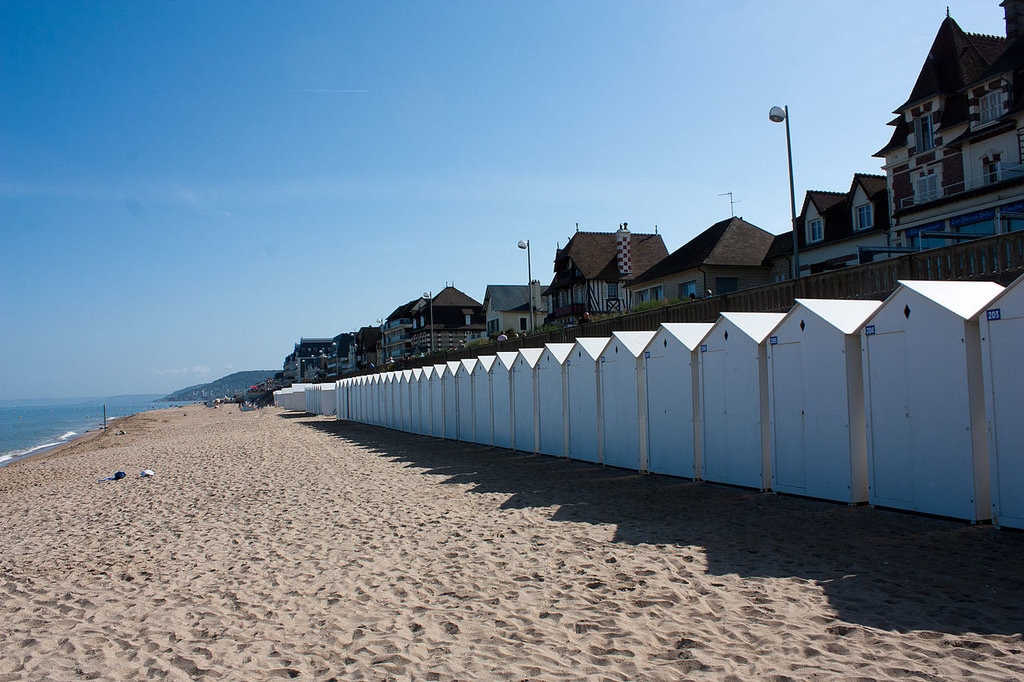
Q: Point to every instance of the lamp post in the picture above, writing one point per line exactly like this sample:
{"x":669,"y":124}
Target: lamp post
{"x":778,"y":115}
{"x":525,"y":244}
{"x":430,"y":300}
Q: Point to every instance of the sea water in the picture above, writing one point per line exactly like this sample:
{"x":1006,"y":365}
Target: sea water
{"x":31,"y":426}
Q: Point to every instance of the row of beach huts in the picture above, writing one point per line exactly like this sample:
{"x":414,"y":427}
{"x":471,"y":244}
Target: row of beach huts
{"x":916,"y":403}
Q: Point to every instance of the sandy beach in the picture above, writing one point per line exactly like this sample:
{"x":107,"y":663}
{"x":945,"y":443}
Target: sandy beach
{"x":274,"y":545}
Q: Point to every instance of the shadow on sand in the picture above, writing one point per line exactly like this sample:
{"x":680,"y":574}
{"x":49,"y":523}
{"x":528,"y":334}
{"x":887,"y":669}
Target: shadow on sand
{"x":878,"y":568}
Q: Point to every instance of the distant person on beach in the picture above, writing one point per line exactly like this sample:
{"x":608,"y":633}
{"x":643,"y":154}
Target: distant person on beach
{"x":502,"y":337}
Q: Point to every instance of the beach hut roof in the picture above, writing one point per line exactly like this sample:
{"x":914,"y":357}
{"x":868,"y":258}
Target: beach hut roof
{"x":417,"y":373}
{"x":559,"y":350}
{"x":755,"y":325}
{"x":846,"y":315}
{"x":690,"y":334}
{"x":506,"y":358}
{"x":634,"y":342}
{"x":484,"y":363}
{"x":467,"y":365}
{"x":452,"y":366}
{"x":965,"y":299}
{"x":593,"y":345}
{"x":531,"y":355}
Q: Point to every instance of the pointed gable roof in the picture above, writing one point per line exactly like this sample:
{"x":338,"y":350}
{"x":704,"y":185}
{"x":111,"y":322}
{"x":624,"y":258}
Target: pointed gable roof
{"x":506,"y":297}
{"x":965,"y":299}
{"x":846,"y":315}
{"x":634,"y":342}
{"x":955,"y":60}
{"x":873,"y":184}
{"x":690,"y":334}
{"x":593,"y":253}
{"x":733,"y":241}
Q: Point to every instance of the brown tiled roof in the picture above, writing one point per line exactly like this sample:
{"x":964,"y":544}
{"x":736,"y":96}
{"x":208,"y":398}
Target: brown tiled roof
{"x":450,"y":296}
{"x":955,"y":60}
{"x":593,"y":253}
{"x":872,"y":184}
{"x":822,"y":200}
{"x":733,"y":241}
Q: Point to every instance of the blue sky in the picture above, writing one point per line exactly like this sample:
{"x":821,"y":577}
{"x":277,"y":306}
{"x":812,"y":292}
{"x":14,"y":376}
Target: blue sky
{"x":186,"y":188}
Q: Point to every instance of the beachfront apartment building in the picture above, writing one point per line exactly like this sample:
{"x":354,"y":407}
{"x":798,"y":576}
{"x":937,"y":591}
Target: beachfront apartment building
{"x":308,"y":360}
{"x":955,"y":162}
{"x":593,"y":269}
{"x":396,"y":331}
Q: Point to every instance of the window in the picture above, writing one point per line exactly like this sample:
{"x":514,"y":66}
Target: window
{"x":469,"y":320}
{"x":687,"y":289}
{"x":993,"y":172}
{"x":864,"y":217}
{"x":726,"y":285}
{"x":644,"y":295}
{"x":927,"y":188}
{"x":923,"y":134}
{"x":522,"y":324}
{"x":991,"y":106}
{"x":815,"y":232}
{"x":613,"y":290}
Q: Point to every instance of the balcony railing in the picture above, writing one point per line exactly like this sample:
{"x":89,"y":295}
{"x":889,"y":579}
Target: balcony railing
{"x":1002,"y":175}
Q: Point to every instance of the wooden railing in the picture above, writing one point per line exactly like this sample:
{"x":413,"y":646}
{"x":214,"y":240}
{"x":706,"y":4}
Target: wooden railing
{"x":999,"y":259}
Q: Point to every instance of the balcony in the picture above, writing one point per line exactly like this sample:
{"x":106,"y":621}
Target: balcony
{"x":1000,"y":176}
{"x":571,"y":309}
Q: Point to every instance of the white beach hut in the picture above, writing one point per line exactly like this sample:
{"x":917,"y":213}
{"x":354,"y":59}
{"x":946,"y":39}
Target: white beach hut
{"x":327,"y":402}
{"x":405,"y":384}
{"x":450,"y":395}
{"x":816,"y":400}
{"x":392,"y":400}
{"x":424,"y":397}
{"x":524,"y":399}
{"x":501,"y":399}
{"x":735,"y":440}
{"x":362,"y":399}
{"x":311,"y":395}
{"x":341,"y":396}
{"x":673,"y":404}
{"x":623,"y":413}
{"x":552,"y":397}
{"x":1002,"y":337}
{"x":378,"y":398}
{"x":465,"y":428}
{"x":583,"y":388}
{"x":437,"y":400}
{"x":925,"y":403}
{"x":483,"y":408}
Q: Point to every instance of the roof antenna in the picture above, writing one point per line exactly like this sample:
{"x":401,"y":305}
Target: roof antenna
{"x":577,"y":227}
{"x":947,"y":11}
{"x":732,"y":204}
{"x":655,"y":229}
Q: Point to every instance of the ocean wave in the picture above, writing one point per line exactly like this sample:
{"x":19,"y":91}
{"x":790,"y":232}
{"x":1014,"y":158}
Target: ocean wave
{"x":69,"y":434}
{"x":18,"y":454}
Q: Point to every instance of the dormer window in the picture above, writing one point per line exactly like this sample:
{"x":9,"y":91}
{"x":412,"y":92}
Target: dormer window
{"x":991,"y":106}
{"x":815,"y":231}
{"x":924,"y":137}
{"x":865,"y":219}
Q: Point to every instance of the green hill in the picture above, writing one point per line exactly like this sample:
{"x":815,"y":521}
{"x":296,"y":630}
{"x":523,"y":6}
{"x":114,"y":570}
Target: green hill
{"x":228,"y":386}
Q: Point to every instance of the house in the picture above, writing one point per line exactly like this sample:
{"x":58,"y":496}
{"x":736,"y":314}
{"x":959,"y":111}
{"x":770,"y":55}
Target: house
{"x":507,"y":306}
{"x":396,"y":331}
{"x":726,"y":257}
{"x":341,"y":357}
{"x":591,"y":272}
{"x":838,"y":226}
{"x":308,"y":360}
{"x":953,"y":165}
{"x":367,"y":346}
{"x":447,"y":319}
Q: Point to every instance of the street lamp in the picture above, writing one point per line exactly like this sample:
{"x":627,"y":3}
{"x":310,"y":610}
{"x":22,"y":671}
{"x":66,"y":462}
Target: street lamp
{"x":525,"y":244}
{"x":778,"y":115}
{"x":430,"y":299}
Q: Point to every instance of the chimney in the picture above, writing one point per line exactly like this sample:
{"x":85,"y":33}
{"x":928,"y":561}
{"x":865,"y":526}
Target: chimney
{"x":622,"y":251}
{"x":1013,"y":11}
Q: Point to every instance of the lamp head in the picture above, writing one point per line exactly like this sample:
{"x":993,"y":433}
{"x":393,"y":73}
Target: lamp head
{"x":777,"y":115}
{"x":523,"y":243}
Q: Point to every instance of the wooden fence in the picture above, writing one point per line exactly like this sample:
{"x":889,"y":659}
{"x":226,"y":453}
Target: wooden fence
{"x":999,"y":259}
